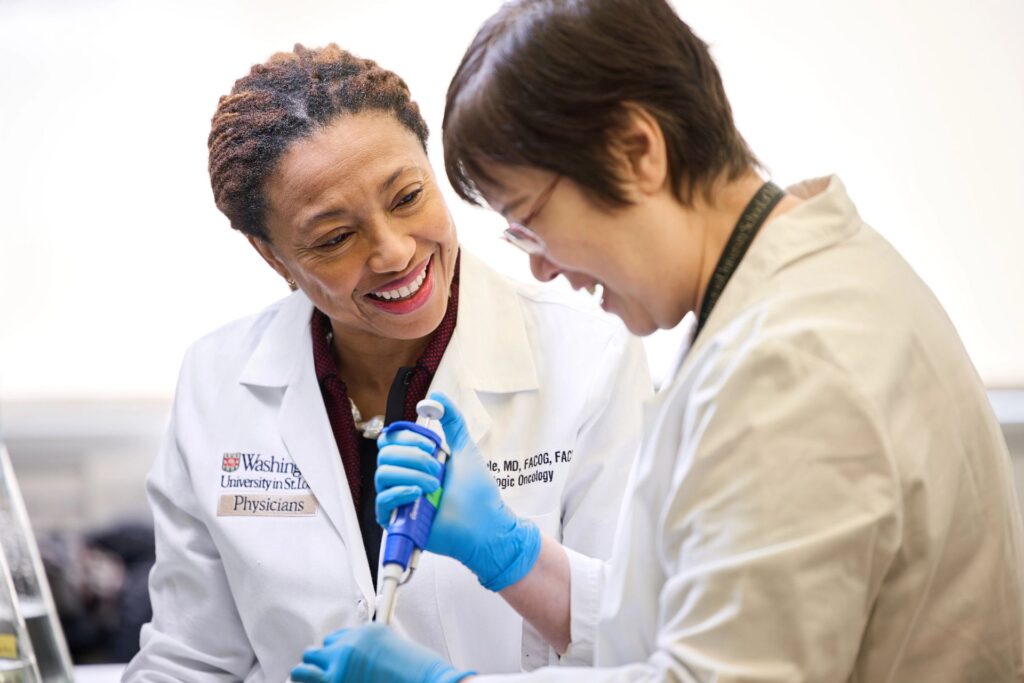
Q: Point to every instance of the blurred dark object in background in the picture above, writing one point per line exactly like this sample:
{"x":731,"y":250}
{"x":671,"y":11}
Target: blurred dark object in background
{"x":100,"y":587}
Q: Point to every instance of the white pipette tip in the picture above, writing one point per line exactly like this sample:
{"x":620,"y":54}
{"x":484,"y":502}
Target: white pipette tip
{"x":430,"y":409}
{"x":391,"y":574}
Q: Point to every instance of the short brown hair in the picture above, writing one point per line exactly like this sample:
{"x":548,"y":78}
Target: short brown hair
{"x":290,"y":97}
{"x":544,"y":84}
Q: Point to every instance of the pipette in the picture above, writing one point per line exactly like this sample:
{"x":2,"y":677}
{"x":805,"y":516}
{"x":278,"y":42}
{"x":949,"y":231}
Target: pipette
{"x":407,"y":533}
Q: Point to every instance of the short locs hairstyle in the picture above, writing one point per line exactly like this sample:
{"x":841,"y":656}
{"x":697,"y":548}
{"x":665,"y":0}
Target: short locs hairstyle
{"x":545,"y":83}
{"x":288,"y":98}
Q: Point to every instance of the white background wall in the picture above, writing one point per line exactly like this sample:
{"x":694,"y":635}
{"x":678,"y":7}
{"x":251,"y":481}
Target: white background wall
{"x":113,"y":257}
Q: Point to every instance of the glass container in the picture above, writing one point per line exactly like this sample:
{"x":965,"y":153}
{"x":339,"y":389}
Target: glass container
{"x":32,"y":590}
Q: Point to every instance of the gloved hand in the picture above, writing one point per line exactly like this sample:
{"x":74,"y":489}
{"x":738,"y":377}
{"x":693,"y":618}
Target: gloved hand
{"x":372,"y":654}
{"x":472,"y":524}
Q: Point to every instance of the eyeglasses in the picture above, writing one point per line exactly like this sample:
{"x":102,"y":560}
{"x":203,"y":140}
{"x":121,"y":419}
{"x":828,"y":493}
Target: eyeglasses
{"x":520,"y":235}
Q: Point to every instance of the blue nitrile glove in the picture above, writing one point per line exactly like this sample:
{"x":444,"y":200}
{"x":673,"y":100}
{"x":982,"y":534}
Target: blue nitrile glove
{"x":373,"y":654}
{"x":472,"y":524}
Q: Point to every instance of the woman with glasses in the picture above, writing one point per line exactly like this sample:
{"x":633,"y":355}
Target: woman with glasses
{"x":263,"y":494}
{"x":823,"y":493}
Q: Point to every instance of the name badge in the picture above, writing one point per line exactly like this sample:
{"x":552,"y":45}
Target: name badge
{"x":266,"y":505}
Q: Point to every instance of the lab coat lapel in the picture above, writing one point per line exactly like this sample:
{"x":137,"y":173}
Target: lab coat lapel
{"x":284,"y":358}
{"x":306,"y":431}
{"x":454,"y":380}
{"x":490,"y":351}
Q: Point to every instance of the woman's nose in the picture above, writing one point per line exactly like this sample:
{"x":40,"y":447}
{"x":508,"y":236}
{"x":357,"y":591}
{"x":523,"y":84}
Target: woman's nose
{"x":543,"y":269}
{"x":391,"y":249}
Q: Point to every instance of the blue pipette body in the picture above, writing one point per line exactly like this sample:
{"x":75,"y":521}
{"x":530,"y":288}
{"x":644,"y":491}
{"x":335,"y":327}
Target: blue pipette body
{"x":410,"y":524}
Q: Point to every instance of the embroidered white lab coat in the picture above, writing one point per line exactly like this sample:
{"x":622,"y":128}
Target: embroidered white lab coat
{"x":239,"y":596}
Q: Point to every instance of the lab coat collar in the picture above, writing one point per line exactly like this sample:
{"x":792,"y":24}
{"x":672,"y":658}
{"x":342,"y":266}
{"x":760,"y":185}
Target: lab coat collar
{"x":489,"y":305}
{"x":826,"y":217}
{"x":283,"y":345}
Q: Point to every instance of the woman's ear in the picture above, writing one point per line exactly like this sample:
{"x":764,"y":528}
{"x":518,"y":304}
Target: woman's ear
{"x":267,"y":252}
{"x":639,"y":145}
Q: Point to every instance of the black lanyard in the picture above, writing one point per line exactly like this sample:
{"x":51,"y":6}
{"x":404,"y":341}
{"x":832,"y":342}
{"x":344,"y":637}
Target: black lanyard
{"x":743,"y":234}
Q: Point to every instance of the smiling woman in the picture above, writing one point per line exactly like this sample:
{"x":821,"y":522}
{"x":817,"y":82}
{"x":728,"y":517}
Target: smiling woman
{"x":333,"y":188}
{"x":319,"y":158}
{"x":356,"y":220}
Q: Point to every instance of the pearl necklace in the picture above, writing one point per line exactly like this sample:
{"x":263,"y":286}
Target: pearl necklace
{"x":372,"y":427}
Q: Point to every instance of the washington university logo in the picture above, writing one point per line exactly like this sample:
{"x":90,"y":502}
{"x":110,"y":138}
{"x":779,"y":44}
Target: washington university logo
{"x":230,"y":462}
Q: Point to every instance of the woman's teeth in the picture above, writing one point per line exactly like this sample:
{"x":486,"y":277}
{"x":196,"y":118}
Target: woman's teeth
{"x":403,"y":292}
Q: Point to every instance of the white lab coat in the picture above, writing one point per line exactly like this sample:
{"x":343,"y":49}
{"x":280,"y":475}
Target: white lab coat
{"x":823,"y":493}
{"x":240,"y":597}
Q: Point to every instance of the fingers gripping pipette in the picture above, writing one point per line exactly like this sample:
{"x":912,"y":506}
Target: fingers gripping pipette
{"x":410,"y":524}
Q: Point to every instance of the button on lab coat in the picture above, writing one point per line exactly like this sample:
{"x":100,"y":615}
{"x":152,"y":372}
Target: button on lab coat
{"x":823,"y":493}
{"x":550,"y":390}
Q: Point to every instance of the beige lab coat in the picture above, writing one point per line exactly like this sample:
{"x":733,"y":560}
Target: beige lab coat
{"x":823,"y":494}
